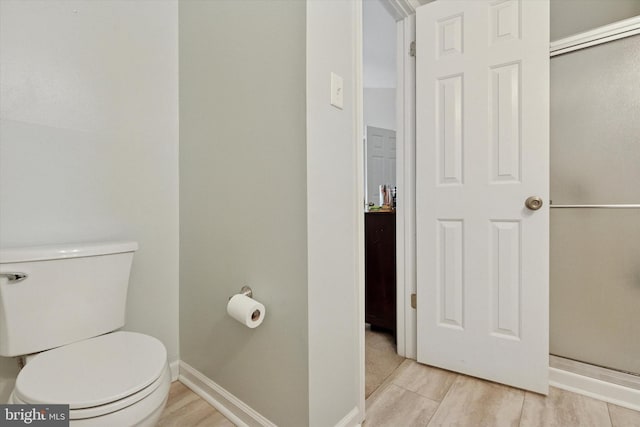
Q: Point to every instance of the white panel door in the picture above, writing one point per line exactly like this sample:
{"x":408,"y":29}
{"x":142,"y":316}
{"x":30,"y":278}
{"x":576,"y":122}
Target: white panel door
{"x":381,"y":161}
{"x":482,"y":149}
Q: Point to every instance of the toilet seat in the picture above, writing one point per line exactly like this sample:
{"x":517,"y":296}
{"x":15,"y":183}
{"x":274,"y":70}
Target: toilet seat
{"x":96,"y":376}
{"x":97,"y":411}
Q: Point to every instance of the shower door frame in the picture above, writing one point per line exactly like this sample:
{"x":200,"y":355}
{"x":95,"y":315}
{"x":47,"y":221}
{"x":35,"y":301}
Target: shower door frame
{"x":601,"y":383}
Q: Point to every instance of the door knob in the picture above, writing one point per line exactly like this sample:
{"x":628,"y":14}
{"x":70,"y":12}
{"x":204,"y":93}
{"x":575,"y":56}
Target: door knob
{"x":534,"y":203}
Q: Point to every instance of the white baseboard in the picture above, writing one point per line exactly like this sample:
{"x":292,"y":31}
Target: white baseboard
{"x":598,"y":389}
{"x":350,"y":420}
{"x":174,"y":367}
{"x":230,"y":406}
{"x":235,"y":410}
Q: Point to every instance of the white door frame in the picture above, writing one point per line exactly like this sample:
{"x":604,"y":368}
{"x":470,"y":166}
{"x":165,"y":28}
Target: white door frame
{"x":406,"y":182}
{"x":358,"y":117}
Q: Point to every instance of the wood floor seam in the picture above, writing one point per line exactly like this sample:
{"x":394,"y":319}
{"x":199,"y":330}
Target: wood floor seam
{"x":609,"y":412}
{"x":443,"y":399}
{"x":415,"y":392}
{"x":524,"y":401}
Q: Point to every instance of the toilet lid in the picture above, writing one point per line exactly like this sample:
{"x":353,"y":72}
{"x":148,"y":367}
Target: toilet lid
{"x":93,"y":372}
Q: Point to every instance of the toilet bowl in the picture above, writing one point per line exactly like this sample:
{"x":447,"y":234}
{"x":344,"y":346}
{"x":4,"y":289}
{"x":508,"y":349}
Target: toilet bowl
{"x":117,"y":379}
{"x":61,"y":307}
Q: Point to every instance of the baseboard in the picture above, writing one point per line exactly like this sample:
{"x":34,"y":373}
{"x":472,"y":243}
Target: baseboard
{"x":230,"y":406}
{"x":174,"y":367}
{"x":350,"y":420}
{"x":598,"y":389}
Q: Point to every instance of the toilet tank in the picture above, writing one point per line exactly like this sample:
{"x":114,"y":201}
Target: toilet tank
{"x":71,"y":292}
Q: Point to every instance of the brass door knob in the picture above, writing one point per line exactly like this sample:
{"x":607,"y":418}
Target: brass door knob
{"x":534,"y":203}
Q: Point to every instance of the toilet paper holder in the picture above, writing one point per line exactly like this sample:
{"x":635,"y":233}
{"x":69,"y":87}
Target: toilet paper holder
{"x":256,"y":313}
{"x":246,"y":291}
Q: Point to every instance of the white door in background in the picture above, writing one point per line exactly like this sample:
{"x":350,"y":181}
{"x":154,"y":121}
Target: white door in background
{"x":381,"y":161}
{"x":482,"y":150}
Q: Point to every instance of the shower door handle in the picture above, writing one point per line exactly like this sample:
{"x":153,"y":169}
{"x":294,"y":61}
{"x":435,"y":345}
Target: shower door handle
{"x":14,"y":277}
{"x":533,"y":203}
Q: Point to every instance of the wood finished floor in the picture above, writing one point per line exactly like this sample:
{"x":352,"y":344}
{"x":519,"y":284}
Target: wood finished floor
{"x":415,"y":395}
{"x":418,"y":395}
{"x":187,"y":409}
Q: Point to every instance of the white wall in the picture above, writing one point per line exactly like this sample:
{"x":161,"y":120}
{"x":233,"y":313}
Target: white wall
{"x":380,"y":107}
{"x":89,"y":140}
{"x":333,"y":209}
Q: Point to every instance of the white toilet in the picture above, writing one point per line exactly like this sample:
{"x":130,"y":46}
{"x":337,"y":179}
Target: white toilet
{"x":59,"y":306}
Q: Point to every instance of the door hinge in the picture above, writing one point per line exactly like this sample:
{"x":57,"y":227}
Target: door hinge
{"x":412,"y":49}
{"x":413,"y":300}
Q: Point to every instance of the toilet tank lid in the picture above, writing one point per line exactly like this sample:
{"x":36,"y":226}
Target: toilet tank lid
{"x":66,"y":250}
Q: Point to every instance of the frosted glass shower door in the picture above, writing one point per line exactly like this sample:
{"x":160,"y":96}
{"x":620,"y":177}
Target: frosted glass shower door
{"x":595,"y":164}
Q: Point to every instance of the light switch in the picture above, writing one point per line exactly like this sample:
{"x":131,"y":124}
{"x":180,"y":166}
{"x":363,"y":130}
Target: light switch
{"x":337,"y":96}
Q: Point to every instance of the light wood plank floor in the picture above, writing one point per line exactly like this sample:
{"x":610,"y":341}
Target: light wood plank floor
{"x":187,"y":409}
{"x":415,"y":395}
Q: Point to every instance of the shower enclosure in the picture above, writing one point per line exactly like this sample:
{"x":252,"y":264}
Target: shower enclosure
{"x":595,"y":200}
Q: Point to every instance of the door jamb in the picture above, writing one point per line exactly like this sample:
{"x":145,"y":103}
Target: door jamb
{"x":358,"y":118}
{"x":406,"y":182}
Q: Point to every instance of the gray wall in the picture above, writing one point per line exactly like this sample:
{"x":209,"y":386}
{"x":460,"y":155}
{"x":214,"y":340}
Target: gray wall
{"x":243,"y":199}
{"x":89,"y":141}
{"x":378,"y":45}
{"x":575,"y":16}
{"x":379,"y":65}
{"x":379,"y":105}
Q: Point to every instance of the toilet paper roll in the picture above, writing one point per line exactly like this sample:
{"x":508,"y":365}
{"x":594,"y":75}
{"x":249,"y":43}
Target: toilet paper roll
{"x":246,"y":310}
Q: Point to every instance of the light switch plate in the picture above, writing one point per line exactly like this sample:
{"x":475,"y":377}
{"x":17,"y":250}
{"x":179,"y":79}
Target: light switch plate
{"x":337,"y":96}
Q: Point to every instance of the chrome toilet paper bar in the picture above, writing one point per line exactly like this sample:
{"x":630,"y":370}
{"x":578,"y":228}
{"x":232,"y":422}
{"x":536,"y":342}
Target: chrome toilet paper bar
{"x":246,"y":291}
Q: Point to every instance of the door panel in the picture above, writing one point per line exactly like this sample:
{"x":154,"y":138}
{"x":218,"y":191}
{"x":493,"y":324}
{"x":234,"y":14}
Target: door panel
{"x":482,"y":102}
{"x":595,"y":124}
{"x":596,"y":287}
{"x":381,"y":161}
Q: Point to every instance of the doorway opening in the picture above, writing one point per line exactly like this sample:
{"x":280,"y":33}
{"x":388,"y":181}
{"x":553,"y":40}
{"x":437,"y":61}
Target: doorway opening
{"x":379,"y":83}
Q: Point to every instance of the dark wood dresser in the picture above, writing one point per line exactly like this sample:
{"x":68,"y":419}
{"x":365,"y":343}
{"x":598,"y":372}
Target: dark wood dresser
{"x":380,"y":270}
